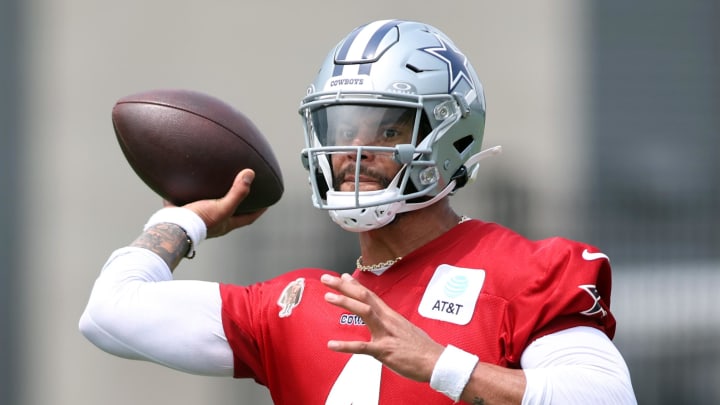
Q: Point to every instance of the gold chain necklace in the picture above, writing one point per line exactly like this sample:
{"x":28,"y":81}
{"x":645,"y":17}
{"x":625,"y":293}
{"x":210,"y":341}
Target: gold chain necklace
{"x":388,"y":263}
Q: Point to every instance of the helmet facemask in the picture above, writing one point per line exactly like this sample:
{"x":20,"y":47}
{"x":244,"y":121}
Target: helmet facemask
{"x":340,"y":153}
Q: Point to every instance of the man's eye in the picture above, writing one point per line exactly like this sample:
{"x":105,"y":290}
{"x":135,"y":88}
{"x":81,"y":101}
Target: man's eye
{"x":391,"y":133}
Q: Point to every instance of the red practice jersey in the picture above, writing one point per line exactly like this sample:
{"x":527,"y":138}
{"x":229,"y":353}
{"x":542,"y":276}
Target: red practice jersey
{"x":480,"y":287}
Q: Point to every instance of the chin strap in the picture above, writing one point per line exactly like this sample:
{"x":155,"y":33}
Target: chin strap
{"x":474,"y":159}
{"x":416,"y":206}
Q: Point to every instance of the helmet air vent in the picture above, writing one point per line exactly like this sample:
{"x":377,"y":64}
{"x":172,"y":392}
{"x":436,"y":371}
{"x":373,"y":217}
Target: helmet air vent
{"x":413,"y":68}
{"x":463,"y":143}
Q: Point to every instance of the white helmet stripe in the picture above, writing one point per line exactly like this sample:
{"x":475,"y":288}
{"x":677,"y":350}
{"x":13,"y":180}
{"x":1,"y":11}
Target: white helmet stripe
{"x":361,"y":45}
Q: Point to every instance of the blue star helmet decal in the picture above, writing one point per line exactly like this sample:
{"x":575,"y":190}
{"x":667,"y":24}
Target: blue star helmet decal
{"x":456,"y":61}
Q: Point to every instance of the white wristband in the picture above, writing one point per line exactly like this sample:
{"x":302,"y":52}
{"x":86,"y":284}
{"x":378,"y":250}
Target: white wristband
{"x":452,"y":372}
{"x":186,"y":219}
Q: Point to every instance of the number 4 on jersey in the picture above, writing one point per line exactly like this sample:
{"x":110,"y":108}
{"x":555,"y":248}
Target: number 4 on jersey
{"x":358,"y":383}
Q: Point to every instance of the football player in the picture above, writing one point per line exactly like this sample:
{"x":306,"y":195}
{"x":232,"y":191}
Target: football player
{"x":441,"y":308}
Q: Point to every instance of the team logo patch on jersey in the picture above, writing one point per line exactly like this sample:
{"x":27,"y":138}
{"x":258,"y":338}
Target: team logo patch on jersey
{"x":452,"y":294}
{"x":290,"y":297}
{"x":596,"y":308}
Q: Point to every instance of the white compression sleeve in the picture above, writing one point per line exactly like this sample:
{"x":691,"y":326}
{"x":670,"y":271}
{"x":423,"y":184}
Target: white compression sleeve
{"x":137,"y":311}
{"x":579,"y":365}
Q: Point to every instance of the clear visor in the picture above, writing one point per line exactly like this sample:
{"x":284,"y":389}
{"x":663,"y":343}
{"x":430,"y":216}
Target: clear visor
{"x":362,"y":125}
{"x":341,"y":136}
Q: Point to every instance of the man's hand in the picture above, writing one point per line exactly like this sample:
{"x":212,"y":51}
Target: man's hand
{"x":217,"y":214}
{"x":397,"y":343}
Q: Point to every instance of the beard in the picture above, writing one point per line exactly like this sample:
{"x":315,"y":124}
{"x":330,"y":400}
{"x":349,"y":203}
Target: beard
{"x":339,"y":178}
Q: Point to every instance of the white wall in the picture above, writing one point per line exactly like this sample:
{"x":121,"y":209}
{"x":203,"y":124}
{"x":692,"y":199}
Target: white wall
{"x":82,"y":200}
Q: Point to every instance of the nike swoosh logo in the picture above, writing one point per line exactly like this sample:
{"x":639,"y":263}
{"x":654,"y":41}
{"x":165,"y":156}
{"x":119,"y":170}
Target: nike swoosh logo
{"x":594,"y":256}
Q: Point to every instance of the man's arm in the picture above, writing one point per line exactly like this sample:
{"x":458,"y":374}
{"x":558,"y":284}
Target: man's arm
{"x":136,"y":310}
{"x":168,"y":241}
{"x":579,"y":365}
{"x":576,"y":365}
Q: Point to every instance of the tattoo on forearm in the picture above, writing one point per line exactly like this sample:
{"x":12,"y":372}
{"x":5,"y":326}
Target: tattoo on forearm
{"x":168,"y":241}
{"x":478,"y":401}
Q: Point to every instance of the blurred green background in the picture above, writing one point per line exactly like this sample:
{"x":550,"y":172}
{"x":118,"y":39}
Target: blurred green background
{"x":608,"y":112}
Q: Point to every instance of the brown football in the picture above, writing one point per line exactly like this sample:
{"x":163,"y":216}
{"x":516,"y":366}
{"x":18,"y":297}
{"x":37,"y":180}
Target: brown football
{"x":188,"y":146}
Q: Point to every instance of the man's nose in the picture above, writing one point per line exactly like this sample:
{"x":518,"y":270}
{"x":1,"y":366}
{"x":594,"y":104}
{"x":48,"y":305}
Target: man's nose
{"x":363,"y":138}
{"x":363,"y":153}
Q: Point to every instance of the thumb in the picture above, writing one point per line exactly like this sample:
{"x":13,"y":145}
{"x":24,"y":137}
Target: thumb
{"x":215,"y":212}
{"x":238,"y":191}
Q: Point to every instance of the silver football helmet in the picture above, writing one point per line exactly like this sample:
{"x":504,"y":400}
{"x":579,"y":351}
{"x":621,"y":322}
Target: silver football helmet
{"x":394,"y":68}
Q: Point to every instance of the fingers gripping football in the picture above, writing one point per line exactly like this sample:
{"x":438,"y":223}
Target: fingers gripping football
{"x":218,"y":213}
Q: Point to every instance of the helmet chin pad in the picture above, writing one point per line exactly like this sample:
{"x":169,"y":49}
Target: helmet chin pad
{"x":376,"y":216}
{"x":368,"y":217}
{"x":361,"y":219}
